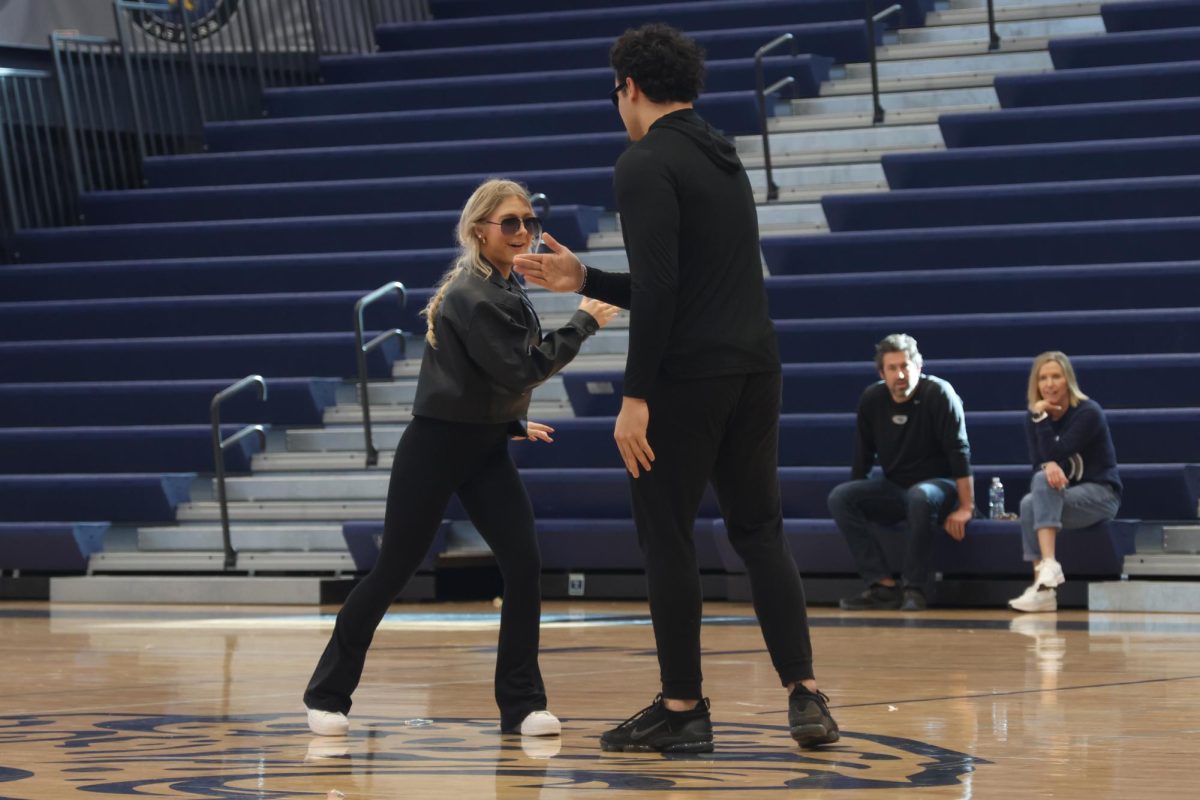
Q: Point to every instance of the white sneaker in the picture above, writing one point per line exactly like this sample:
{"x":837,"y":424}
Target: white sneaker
{"x":1050,"y":574}
{"x":328,"y":723}
{"x":541,"y":723}
{"x":1035,"y":599}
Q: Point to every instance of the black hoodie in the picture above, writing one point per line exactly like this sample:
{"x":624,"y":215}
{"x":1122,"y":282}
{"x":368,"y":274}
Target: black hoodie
{"x":695,"y":284}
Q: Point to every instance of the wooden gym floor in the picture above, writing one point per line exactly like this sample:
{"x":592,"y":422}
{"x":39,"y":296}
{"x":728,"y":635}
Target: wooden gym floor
{"x":205,"y":702}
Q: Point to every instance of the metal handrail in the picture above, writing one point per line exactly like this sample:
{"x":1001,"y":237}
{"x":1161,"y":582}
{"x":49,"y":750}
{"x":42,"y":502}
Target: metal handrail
{"x":362,"y":350}
{"x":762,"y":93}
{"x":878,"y":113}
{"x":219,"y":447}
{"x":993,"y":37}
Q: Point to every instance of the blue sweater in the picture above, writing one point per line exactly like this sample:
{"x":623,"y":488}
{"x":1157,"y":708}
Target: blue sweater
{"x":1079,"y":442}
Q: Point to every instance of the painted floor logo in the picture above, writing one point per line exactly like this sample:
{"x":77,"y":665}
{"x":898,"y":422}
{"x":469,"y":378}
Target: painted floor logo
{"x":273,"y":755}
{"x":203,"y":17}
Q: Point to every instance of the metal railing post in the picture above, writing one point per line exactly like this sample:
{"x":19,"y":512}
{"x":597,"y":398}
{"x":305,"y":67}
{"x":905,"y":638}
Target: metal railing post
{"x":762,"y":93}
{"x":993,"y":37}
{"x":877,"y":112}
{"x":219,"y":447}
{"x":361,"y":356}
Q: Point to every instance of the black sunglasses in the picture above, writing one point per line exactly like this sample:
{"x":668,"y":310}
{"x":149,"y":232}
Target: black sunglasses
{"x":614,"y":95}
{"x":510,"y":226}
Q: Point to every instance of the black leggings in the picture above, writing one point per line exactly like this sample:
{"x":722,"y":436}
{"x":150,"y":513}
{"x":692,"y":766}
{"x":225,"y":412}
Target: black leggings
{"x":725,"y":431}
{"x":434,"y":460}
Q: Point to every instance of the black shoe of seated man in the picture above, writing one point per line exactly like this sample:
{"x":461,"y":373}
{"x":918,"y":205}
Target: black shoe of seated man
{"x":914,"y":600}
{"x":877,"y":597}
{"x":809,"y":719}
{"x":657,"y":729}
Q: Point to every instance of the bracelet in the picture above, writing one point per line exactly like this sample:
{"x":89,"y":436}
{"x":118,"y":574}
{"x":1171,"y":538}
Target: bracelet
{"x":1040,"y":417}
{"x":582,"y":283}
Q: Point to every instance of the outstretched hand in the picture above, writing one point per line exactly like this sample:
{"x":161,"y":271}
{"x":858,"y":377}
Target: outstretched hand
{"x":537,"y":432}
{"x":560,"y":270}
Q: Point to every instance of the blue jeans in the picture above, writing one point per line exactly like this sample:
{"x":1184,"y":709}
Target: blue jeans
{"x":858,"y":504}
{"x":1076,"y":506}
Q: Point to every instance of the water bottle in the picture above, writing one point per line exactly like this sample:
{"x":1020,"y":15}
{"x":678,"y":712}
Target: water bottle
{"x":996,"y":499}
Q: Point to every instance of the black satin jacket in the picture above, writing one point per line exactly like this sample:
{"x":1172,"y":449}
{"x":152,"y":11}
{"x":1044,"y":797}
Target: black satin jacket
{"x":490,"y":352}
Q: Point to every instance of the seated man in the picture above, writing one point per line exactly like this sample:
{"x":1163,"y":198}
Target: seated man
{"x":913,"y":425}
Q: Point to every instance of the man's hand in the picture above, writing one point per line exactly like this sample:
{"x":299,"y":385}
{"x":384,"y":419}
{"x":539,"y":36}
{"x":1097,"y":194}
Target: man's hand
{"x":956,"y":523}
{"x":559,"y":270}
{"x":1055,"y":476}
{"x":630,"y":434}
{"x":537,"y":432}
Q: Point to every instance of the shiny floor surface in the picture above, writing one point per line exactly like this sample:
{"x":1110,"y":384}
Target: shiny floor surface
{"x":205,"y":702}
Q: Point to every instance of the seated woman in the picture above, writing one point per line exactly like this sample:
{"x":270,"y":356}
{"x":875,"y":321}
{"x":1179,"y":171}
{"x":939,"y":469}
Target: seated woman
{"x":1075,"y":481}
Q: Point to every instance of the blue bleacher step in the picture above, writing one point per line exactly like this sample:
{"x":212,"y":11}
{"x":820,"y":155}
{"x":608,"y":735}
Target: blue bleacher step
{"x":126,"y":448}
{"x":298,"y":235}
{"x":1118,"y":381}
{"x":984,"y":290}
{"x":843,"y":41}
{"x":1117,"y":49}
{"x":116,"y":497}
{"x":1016,"y":204}
{"x":1039,"y":163}
{"x":732,"y":112}
{"x":576,"y":151}
{"x":732,"y":75}
{"x":1103,"y":242}
{"x":53,"y":547}
{"x":612,"y":22}
{"x":165,"y":277}
{"x":1101,"y":85}
{"x":290,"y":401}
{"x":204,"y":315}
{"x":1083,"y":122}
{"x":271,"y":355}
{"x":1151,"y":15}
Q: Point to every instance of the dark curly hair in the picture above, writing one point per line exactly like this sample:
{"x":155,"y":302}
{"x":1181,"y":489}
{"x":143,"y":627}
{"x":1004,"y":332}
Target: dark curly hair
{"x":666,"y":65}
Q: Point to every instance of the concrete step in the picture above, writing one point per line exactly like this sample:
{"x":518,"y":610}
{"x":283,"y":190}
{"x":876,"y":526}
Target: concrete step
{"x":915,"y":69}
{"x":310,"y":487}
{"x":975,"y":45}
{"x":1010,"y":11}
{"x":1163,"y":565}
{"x":258,"y":538}
{"x":813,"y":194}
{"x":323,"y":461}
{"x":1047,"y":28}
{"x":1145,"y":596}
{"x":217,"y":589}
{"x":351,"y":413}
{"x":411,"y":367}
{"x":1181,"y":538}
{"x":214,"y":561}
{"x":895,"y":102}
{"x":957,"y":4}
{"x":854,"y":138}
{"x":287,"y":510}
{"x":864,"y":119}
{"x":866,"y":155}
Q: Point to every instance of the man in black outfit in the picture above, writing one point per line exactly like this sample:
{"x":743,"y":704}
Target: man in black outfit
{"x":702,"y":389}
{"x":913,"y":425}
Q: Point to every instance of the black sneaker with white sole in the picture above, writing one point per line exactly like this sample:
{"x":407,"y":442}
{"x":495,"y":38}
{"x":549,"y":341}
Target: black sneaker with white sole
{"x":809,"y":719}
{"x":657,"y":729}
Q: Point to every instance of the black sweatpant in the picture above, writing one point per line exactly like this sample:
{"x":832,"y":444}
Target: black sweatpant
{"x":724,"y":430}
{"x":434,"y":460}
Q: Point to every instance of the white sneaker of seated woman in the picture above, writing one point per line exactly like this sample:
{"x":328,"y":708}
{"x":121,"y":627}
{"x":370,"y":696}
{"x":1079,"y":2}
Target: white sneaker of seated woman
{"x":1049,"y":574}
{"x":327,"y":723}
{"x":541,"y":723}
{"x":1035,"y":598}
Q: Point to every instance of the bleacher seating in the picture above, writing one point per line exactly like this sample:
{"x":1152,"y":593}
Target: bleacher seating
{"x":1070,"y":219}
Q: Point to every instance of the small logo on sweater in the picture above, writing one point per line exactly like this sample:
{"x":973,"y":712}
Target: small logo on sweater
{"x":900,"y":419}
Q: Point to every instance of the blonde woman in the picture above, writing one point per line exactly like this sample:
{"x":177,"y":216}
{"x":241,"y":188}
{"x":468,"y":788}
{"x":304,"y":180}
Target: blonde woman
{"x":485,"y":354}
{"x":1075,"y":481}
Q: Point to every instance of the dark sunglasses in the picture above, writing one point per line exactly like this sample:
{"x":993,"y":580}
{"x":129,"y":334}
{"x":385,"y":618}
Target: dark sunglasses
{"x":614,"y":95}
{"x":510,"y":226}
